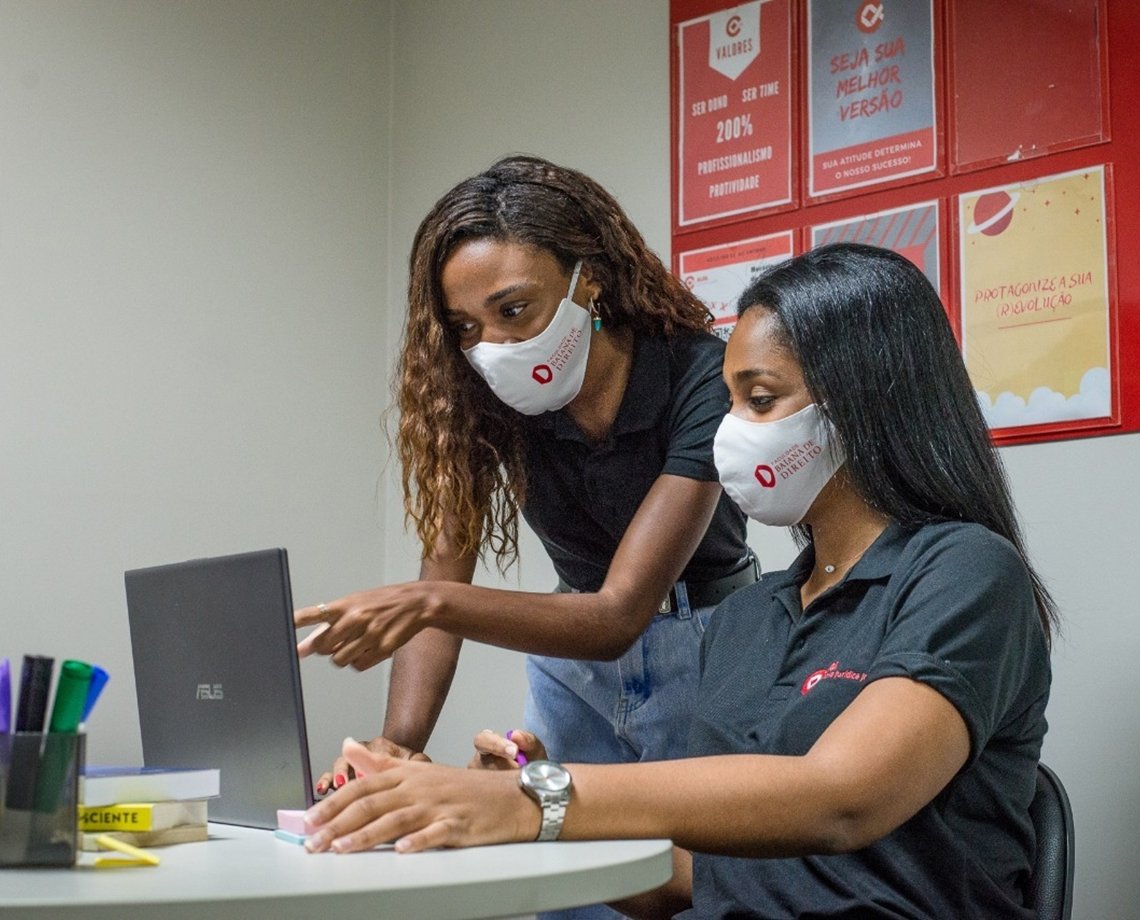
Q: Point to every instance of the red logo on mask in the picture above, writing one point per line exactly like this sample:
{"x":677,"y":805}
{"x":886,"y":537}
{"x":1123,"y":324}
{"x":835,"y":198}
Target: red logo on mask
{"x":765,"y":476}
{"x":542,"y":373}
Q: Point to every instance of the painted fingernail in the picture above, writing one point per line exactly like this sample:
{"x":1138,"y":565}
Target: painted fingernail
{"x":339,"y":780}
{"x":322,"y":787}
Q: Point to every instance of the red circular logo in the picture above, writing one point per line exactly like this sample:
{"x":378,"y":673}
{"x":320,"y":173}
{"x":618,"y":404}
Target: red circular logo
{"x":542,"y":373}
{"x":993,"y":213}
{"x":732,"y":27}
{"x":812,"y":679}
{"x":871,"y":16}
{"x":765,"y":475}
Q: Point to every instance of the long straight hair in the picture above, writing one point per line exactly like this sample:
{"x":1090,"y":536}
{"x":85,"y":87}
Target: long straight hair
{"x":880,"y":359}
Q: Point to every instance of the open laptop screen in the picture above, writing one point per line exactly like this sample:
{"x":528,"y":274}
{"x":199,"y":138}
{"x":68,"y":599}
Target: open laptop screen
{"x":218,"y":681}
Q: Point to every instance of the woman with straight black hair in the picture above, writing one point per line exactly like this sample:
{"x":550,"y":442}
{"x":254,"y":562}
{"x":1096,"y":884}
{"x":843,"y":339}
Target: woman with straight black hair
{"x":868,"y":723}
{"x":917,"y":454}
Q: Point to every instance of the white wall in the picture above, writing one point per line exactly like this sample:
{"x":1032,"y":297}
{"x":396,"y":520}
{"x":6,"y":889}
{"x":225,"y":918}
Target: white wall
{"x":192,"y":263}
{"x":205,"y":214}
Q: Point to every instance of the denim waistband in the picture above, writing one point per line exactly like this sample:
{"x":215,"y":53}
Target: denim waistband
{"x":695,"y":594}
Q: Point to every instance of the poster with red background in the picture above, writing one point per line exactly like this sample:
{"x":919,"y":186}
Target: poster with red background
{"x":735,"y":111}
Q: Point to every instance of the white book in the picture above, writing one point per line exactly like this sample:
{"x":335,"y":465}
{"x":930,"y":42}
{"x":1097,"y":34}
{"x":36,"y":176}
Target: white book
{"x":112,"y":785}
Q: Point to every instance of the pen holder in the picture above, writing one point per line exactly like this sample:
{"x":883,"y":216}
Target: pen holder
{"x":39,"y":789}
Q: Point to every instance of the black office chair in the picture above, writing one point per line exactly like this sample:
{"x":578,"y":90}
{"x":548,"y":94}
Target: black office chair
{"x":1050,"y":886}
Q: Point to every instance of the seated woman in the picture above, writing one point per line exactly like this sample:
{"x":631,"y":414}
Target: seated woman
{"x":868,"y":722}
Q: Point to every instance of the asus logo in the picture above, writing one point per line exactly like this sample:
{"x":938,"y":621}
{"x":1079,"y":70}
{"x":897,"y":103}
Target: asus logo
{"x":209,"y":692}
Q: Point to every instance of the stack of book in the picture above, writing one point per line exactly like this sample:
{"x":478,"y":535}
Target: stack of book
{"x":145,"y":806}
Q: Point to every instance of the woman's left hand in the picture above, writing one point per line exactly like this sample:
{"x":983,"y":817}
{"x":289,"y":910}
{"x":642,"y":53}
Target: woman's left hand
{"x":363,"y":629}
{"x":419,"y":806}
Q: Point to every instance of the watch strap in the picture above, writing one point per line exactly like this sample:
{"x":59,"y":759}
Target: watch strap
{"x":553,"y":813}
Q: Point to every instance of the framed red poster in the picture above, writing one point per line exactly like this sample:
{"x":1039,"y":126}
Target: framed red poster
{"x":718,"y":275}
{"x":734,"y":135}
{"x":871,"y":93}
{"x":1053,"y":99}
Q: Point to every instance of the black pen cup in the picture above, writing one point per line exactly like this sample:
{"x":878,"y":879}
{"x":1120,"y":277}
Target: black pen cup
{"x":39,"y":789}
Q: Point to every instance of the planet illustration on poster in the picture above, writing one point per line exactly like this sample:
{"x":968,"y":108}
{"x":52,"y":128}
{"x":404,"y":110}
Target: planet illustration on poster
{"x":993,"y":213}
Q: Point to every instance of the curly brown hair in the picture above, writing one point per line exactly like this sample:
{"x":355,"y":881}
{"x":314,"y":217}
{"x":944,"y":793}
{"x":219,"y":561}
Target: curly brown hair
{"x":460,"y":447}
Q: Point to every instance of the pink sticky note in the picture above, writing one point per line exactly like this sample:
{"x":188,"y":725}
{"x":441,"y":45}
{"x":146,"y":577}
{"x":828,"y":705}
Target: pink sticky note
{"x":291,"y":820}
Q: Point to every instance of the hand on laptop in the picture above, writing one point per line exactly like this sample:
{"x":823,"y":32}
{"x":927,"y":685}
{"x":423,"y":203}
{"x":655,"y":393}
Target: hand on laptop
{"x":503,"y":752}
{"x":342,"y":771}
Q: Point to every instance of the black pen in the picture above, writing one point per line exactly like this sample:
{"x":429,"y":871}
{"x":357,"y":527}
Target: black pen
{"x":35,"y":683}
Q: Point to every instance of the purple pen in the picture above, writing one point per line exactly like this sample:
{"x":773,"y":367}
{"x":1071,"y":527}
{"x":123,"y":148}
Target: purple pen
{"x":520,"y":758}
{"x":5,"y":696}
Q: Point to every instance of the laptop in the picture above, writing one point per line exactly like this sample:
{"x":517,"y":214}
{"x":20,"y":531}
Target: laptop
{"x":218,"y":681}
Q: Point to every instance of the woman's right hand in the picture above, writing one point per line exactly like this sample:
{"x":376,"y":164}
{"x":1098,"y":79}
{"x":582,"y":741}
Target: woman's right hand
{"x":501,"y":752}
{"x":342,"y":771}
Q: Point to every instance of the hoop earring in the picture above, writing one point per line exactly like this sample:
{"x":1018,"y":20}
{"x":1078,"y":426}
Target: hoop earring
{"x":597,"y":317}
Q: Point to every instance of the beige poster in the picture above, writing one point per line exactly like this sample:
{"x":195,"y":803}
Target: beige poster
{"x":1035,"y":310}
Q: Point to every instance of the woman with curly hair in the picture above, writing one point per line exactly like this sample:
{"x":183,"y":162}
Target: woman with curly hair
{"x":551,"y":366}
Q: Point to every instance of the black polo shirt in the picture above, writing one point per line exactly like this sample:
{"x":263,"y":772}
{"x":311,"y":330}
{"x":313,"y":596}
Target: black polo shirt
{"x":581,"y":495}
{"x":950,"y":605}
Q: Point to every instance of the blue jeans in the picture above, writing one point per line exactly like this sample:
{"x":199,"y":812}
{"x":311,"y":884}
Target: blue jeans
{"x":633,"y":709}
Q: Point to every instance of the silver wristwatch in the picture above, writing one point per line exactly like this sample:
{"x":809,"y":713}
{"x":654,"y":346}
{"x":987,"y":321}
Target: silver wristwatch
{"x":548,"y":783}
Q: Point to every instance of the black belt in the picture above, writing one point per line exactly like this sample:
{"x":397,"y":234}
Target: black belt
{"x":703,"y":593}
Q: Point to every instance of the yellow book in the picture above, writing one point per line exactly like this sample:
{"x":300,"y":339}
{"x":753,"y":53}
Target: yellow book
{"x":141,"y":816}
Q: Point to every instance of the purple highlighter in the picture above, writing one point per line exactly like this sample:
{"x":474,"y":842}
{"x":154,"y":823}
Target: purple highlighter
{"x":520,"y":758}
{"x":5,"y":696}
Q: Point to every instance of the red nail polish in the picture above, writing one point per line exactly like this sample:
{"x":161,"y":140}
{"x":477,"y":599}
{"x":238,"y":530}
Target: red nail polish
{"x":340,"y":780}
{"x":322,"y":787}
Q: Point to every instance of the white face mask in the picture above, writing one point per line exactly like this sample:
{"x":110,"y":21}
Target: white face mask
{"x":775,"y":470}
{"x":544,"y":373}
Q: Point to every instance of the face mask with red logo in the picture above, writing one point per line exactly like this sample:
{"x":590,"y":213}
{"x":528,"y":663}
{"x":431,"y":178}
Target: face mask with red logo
{"x":544,"y":373}
{"x":775,"y":470}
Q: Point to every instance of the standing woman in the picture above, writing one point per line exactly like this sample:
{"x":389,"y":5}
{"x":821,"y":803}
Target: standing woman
{"x":551,"y":366}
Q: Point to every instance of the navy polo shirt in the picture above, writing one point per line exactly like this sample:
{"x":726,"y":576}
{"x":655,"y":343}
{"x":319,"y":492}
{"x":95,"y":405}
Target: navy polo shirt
{"x":581,"y":495}
{"x":950,"y":605}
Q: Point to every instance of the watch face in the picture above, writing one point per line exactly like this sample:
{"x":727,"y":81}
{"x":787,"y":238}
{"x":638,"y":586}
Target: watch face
{"x":547,"y":776}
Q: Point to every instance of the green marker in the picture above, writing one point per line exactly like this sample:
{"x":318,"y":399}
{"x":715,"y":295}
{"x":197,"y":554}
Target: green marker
{"x":70,"y":696}
{"x":50,"y":833}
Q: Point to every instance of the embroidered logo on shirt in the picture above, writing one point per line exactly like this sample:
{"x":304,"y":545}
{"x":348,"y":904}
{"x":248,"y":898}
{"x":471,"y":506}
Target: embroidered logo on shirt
{"x":831,"y":672}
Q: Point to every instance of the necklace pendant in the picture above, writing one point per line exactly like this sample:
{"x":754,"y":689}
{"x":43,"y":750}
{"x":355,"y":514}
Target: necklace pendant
{"x":829,"y":569}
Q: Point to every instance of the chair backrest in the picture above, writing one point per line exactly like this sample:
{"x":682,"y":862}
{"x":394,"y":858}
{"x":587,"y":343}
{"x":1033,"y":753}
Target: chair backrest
{"x":1051,"y":882}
